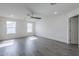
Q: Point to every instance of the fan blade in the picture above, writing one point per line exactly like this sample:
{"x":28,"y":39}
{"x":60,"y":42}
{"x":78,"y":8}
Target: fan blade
{"x":36,"y":17}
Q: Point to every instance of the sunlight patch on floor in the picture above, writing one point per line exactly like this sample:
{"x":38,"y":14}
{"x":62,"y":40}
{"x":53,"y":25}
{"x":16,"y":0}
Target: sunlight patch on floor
{"x":6,"y":43}
{"x":33,"y":38}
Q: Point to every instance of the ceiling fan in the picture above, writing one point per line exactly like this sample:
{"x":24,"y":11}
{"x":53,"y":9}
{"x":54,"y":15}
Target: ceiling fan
{"x":36,"y":17}
{"x":32,"y":16}
{"x":53,"y":3}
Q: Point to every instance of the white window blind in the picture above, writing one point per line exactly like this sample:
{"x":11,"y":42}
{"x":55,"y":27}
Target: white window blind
{"x":29,"y":27}
{"x":11,"y":27}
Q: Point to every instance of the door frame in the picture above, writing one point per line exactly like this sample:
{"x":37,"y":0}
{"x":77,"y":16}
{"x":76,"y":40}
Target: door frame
{"x":69,"y":30}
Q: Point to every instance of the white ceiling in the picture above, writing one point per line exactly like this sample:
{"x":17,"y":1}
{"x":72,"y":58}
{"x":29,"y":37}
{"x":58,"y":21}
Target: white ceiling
{"x":20,"y":10}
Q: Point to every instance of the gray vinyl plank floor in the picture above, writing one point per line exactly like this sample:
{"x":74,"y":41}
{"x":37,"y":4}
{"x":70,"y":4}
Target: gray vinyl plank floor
{"x":36,"y":46}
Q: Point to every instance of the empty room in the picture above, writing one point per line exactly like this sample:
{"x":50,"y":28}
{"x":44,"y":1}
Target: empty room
{"x":39,"y":29}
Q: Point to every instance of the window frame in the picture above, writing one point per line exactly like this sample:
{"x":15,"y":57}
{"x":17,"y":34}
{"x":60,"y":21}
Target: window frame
{"x":31,"y":28}
{"x":7,"y":27}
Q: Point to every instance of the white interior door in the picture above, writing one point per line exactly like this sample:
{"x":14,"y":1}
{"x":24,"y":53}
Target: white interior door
{"x":74,"y":30}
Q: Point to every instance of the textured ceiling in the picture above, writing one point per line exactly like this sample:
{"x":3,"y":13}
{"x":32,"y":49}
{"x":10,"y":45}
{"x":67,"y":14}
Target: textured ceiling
{"x":20,"y":10}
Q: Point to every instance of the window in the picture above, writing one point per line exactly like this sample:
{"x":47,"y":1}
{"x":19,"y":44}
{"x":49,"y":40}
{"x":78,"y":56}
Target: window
{"x":11,"y":27}
{"x":29,"y":27}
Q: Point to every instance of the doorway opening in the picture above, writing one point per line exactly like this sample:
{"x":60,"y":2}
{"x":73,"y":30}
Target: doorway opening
{"x":73,"y":31}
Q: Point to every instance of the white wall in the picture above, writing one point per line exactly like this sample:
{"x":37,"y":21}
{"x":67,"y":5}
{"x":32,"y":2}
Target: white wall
{"x":56,"y":28}
{"x":21,"y":28}
{"x":53,"y":28}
